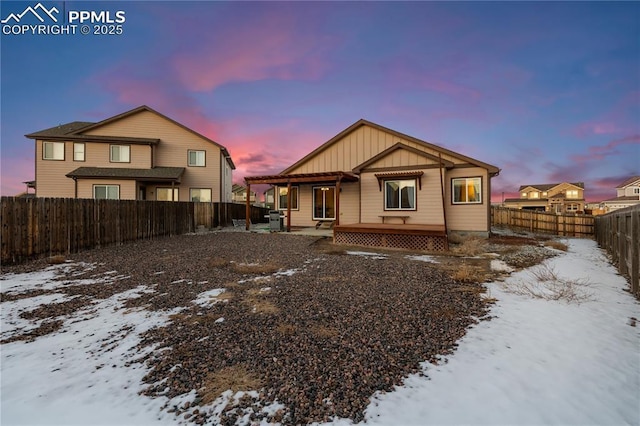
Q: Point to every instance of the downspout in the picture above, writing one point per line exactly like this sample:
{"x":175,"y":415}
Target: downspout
{"x":75,"y":184}
{"x":289,"y":206}
{"x":444,"y":212}
{"x":338,"y":200}
{"x":247,"y":214}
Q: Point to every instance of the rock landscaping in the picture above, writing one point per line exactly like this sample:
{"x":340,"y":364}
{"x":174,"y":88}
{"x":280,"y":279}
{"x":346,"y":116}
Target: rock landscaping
{"x":293,"y":323}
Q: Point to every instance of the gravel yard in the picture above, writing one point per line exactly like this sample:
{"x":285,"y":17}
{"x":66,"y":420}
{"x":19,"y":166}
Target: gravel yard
{"x":310,"y":329}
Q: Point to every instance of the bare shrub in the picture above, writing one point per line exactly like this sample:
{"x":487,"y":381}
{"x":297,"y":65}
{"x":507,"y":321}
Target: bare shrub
{"x":235,"y":378}
{"x":548,"y":285}
{"x":468,"y":274}
{"x":558,"y":245}
{"x":217,"y":262}
{"x":471,"y":246}
{"x":56,"y":260}
{"x":324,"y":331}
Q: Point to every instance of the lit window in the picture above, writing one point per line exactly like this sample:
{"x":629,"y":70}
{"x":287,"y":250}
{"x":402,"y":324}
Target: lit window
{"x":400,"y":194}
{"x":534,"y":195}
{"x":202,"y":195}
{"x":573,"y":193}
{"x":53,"y":150}
{"x":282,"y":202}
{"x":120,"y":154}
{"x":196,"y":158}
{"x":106,"y":192}
{"x":78,"y":152}
{"x":167,"y":194}
{"x":524,"y":195}
{"x":467,"y":191}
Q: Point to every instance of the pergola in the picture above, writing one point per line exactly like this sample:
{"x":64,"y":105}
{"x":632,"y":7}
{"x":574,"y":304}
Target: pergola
{"x":309,"y":178}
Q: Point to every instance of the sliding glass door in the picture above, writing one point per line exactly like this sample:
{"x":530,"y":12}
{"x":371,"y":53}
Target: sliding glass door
{"x":324,"y":202}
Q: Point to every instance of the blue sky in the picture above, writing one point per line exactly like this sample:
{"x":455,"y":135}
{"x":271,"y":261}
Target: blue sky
{"x":547,"y":91}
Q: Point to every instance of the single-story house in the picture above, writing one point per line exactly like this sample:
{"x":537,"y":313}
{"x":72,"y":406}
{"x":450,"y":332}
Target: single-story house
{"x":378,"y":187}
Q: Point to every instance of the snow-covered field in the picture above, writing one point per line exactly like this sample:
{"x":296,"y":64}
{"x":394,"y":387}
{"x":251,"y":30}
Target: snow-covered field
{"x":538,"y":361}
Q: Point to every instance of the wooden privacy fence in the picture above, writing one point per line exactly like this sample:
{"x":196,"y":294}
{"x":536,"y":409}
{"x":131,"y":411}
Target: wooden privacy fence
{"x":33,"y":227}
{"x":618,"y":233}
{"x":569,"y":225}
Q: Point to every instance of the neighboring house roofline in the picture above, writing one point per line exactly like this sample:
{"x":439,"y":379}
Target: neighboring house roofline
{"x":397,"y":146}
{"x":548,"y":186}
{"x":156,"y":173}
{"x":149,"y":109}
{"x":623,"y":198}
{"x":60,"y":130}
{"x":98,"y":139}
{"x":628,"y":182}
{"x":493,"y":170}
{"x":92,"y":126}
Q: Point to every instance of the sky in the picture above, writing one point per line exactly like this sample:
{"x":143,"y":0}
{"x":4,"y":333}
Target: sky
{"x":536,"y":362}
{"x":546,"y":91}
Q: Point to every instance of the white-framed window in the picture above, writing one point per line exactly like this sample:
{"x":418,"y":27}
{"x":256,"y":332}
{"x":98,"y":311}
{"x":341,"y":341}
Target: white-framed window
{"x":282,"y":197}
{"x":636,"y":191}
{"x":202,"y":195}
{"x":196,"y":158}
{"x":400,"y":194}
{"x":572,"y":207}
{"x":467,"y":190}
{"x":572,"y":193}
{"x":53,"y":151}
{"x":120,"y":154}
{"x":167,"y":194}
{"x":106,"y":192}
{"x":534,"y":194}
{"x":78,"y":151}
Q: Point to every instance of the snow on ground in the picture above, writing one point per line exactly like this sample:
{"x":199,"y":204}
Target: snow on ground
{"x":536,"y":362}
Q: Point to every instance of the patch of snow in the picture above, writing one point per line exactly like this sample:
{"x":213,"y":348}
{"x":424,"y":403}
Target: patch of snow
{"x":219,"y":320}
{"x":208,"y":298}
{"x":500,"y":266}
{"x":422,"y":258}
{"x":369,"y":255}
{"x":288,"y":272}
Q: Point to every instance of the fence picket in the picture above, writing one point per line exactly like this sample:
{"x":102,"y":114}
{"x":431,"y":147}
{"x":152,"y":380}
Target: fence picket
{"x":33,"y":227}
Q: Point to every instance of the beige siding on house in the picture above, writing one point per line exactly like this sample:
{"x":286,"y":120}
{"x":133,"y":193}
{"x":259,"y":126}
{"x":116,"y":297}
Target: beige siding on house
{"x":350,"y":203}
{"x":175,"y":141}
{"x":428,"y":201}
{"x":127,"y":187}
{"x":361,"y":145}
{"x":468,"y":217}
{"x":50,"y":174}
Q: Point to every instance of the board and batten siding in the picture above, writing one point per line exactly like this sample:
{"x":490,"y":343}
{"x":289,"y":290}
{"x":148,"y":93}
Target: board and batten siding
{"x":172,"y":151}
{"x":361,"y":145}
{"x":468,"y":217}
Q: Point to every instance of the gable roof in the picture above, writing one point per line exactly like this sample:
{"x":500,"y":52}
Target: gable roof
{"x":628,"y":182}
{"x":75,"y":130}
{"x":396,"y":147}
{"x":493,"y":170}
{"x":61,"y":129}
{"x":548,"y":186}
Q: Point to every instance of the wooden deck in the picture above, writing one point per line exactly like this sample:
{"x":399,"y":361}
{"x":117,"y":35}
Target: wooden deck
{"x":409,"y":236}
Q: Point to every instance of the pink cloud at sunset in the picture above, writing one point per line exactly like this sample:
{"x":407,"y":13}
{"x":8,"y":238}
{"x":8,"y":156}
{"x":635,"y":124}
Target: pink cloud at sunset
{"x":601,"y":152}
{"x":542,"y":90}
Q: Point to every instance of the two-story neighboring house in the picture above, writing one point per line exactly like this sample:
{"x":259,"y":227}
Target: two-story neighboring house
{"x":565,"y":197}
{"x":139,"y":154}
{"x":627,"y":194}
{"x":240,"y":194}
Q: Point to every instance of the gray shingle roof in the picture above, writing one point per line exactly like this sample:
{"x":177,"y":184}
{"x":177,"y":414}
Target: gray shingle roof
{"x":156,"y":173}
{"x":62,"y":129}
{"x":548,"y":186}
